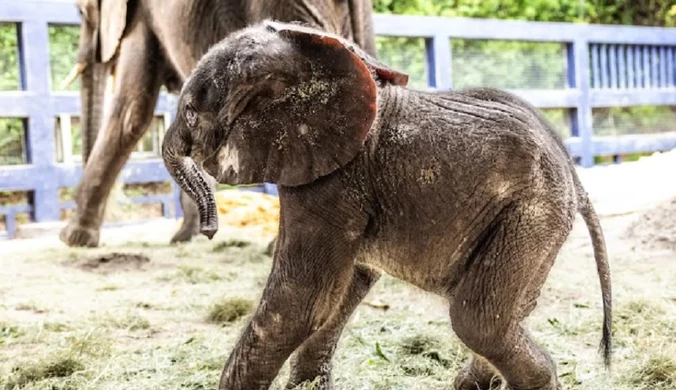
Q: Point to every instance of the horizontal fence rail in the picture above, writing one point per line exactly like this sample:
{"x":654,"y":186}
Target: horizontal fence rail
{"x":605,"y":67}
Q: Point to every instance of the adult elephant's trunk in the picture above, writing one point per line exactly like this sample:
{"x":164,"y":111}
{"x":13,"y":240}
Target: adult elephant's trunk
{"x":92,"y":95}
{"x":93,"y":74}
{"x":176,"y":149}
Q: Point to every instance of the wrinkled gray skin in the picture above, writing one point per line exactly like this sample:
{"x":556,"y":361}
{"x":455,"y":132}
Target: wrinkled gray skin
{"x":150,"y":43}
{"x":469,"y":195}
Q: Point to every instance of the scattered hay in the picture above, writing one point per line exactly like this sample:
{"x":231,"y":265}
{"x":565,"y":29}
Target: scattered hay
{"x":230,"y":310}
{"x":416,"y":345}
{"x":9,"y":332}
{"x":225,"y":245}
{"x":250,"y":210}
{"x":130,"y":322}
{"x":30,"y":306}
{"x":425,"y":346}
{"x":657,"y":372}
{"x":115,"y":262}
{"x":192,"y":275}
{"x":655,"y":229}
{"x":108,"y":287}
{"x":51,"y":368}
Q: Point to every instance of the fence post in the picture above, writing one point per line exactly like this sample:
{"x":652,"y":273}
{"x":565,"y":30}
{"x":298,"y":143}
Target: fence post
{"x":35,"y":75}
{"x":581,"y":116}
{"x":439,"y":62}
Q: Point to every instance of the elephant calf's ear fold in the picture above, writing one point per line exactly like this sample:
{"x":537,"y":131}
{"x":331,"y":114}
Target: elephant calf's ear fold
{"x":382,"y":72}
{"x":323,"y":119}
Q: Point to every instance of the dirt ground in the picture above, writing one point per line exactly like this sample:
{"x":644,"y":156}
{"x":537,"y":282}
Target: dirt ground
{"x":137,"y":313}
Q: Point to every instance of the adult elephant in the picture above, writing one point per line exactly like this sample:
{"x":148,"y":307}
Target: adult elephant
{"x":146,"y":44}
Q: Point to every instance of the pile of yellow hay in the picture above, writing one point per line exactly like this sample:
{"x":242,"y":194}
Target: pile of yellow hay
{"x":256,"y":212}
{"x":248,"y":209}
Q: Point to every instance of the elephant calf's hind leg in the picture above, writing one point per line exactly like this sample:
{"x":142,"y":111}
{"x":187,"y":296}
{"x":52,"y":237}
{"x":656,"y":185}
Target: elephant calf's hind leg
{"x":496,"y":294}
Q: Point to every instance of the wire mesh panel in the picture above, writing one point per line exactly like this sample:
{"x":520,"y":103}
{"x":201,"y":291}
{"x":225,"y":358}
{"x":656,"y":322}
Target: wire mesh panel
{"x":407,"y":55}
{"x":9,"y":58}
{"x":560,"y":118}
{"x":68,"y":137}
{"x":13,"y":150}
{"x":616,"y":66}
{"x":63,"y":48}
{"x":150,"y":145}
{"x":509,"y":64}
{"x":613,"y":121}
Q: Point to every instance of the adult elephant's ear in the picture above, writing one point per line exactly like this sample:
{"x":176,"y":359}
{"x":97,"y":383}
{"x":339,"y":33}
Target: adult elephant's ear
{"x":308,"y":114}
{"x":113,"y":23}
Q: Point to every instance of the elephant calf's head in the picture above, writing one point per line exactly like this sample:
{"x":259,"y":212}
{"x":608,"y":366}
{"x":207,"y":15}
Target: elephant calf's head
{"x":275,"y":103}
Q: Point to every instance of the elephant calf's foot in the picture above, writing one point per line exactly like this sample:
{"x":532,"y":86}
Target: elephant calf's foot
{"x":75,"y":235}
{"x":322,"y":382}
{"x":477,"y":375}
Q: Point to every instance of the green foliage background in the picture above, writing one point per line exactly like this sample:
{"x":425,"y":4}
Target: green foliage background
{"x":499,"y":63}
{"x":516,"y":65}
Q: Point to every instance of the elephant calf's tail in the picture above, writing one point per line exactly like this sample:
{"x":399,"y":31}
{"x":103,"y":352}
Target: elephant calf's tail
{"x":602,"y":267}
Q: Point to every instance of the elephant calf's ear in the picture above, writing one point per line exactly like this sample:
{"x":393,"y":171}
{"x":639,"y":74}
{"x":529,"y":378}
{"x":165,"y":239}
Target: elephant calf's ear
{"x":381,"y":71}
{"x":314,"y":125}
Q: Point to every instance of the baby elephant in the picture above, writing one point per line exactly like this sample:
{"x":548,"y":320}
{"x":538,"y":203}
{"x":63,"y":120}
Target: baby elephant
{"x":469,"y":195}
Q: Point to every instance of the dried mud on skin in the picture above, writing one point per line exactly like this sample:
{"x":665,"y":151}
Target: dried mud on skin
{"x":655,"y":229}
{"x":115,"y":262}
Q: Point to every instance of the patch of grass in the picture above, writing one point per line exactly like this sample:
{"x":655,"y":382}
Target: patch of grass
{"x":55,"y":367}
{"x":130,"y":322}
{"x":108,"y":287}
{"x":426,"y":347}
{"x":90,"y":342}
{"x":60,"y":363}
{"x":9,"y":332}
{"x":192,"y":275}
{"x":195,"y":275}
{"x":225,"y":245}
{"x":657,"y":372}
{"x":418,"y":344}
{"x":230,"y":310}
{"x":640,"y":320}
{"x":55,"y":326}
{"x":30,"y":306}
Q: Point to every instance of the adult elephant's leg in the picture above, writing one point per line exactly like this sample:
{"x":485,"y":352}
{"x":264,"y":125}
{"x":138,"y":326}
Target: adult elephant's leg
{"x":191,"y":215}
{"x":139,"y":74}
{"x":312,"y":360}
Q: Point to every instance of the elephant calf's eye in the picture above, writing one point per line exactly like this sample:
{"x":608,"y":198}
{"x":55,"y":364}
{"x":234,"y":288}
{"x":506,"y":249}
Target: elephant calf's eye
{"x":191,"y":117}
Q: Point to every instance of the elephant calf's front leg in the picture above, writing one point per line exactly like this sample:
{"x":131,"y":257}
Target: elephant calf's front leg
{"x":309,"y":278}
{"x":312,"y":361}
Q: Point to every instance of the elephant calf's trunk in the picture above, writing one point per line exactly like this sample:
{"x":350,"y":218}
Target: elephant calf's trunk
{"x":184,"y":170}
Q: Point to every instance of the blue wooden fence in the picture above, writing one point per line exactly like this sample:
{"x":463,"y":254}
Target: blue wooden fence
{"x":607,"y":66}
